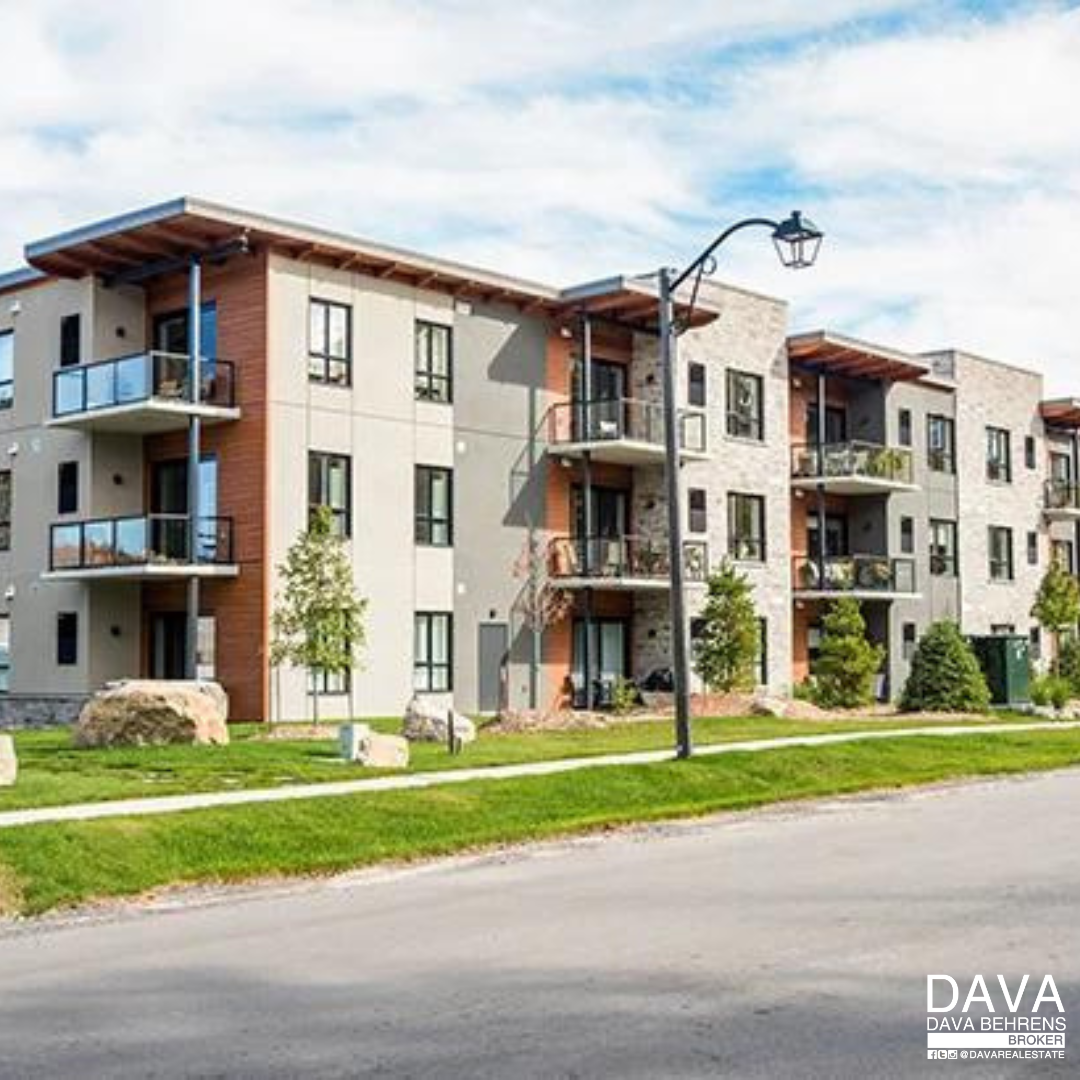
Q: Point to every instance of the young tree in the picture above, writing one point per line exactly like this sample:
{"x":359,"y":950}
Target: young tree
{"x":847,"y":662}
{"x":945,"y":675}
{"x":726,"y":649}
{"x":318,"y":618}
{"x":1057,"y":604}
{"x":539,"y":603}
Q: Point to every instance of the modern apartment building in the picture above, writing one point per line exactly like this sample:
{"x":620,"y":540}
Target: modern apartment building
{"x":180,"y":385}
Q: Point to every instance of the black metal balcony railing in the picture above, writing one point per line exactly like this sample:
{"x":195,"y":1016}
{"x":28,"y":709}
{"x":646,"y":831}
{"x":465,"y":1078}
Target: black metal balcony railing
{"x":854,"y":573}
{"x":626,"y":557}
{"x":148,"y":376}
{"x":149,"y":540}
{"x":852,"y":459}
{"x":1061,"y":495}
{"x":614,"y":419}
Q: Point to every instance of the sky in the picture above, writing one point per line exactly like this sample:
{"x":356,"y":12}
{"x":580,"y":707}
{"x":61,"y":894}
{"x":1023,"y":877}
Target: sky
{"x":936,"y":144}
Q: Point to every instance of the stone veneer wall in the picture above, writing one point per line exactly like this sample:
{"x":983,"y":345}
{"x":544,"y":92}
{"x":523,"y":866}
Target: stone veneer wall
{"x":34,"y":711}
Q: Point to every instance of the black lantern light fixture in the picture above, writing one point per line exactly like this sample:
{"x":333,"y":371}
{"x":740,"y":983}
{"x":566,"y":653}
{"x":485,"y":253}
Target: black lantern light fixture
{"x":797,"y":240}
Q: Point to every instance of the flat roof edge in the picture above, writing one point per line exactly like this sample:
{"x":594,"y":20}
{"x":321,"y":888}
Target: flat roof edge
{"x":16,"y":279}
{"x":106,"y":227}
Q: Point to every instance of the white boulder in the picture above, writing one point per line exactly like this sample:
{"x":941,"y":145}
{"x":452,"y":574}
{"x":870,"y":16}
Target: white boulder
{"x":427,"y":722}
{"x":9,"y":763}
{"x":366,"y":747}
{"x":148,"y":712}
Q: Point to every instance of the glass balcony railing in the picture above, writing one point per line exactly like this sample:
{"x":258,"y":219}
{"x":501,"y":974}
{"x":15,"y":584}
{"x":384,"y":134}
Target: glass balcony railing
{"x":149,"y":540}
{"x":150,"y":376}
{"x":852,"y":460}
{"x":624,"y":557}
{"x":854,"y":573}
{"x":1061,"y":495}
{"x":622,"y":419}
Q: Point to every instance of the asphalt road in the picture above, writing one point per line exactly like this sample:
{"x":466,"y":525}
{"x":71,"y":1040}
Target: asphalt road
{"x":784,"y":944}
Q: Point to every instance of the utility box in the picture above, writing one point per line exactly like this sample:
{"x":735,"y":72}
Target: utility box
{"x":1005,"y":660}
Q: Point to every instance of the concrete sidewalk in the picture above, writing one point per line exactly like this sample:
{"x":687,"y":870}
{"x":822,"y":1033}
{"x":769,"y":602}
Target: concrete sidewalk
{"x":174,"y":804}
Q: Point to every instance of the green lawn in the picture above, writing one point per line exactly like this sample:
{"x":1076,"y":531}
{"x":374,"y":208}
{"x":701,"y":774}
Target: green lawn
{"x":45,"y":866}
{"x":52,"y":772}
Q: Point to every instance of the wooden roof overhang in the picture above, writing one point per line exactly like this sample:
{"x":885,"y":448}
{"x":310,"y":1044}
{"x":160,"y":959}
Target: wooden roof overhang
{"x":1061,"y":413}
{"x":835,"y":354}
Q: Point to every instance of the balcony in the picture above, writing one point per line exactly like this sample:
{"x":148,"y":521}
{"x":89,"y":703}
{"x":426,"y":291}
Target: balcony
{"x":144,"y":394}
{"x":622,"y":431}
{"x":625,"y":563}
{"x":864,"y":577}
{"x":852,"y":468}
{"x":1061,"y":500}
{"x":153,"y":546}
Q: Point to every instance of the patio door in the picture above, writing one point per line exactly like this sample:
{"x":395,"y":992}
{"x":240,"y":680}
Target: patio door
{"x":603,"y":417}
{"x":168,"y":645}
{"x":608,"y":655}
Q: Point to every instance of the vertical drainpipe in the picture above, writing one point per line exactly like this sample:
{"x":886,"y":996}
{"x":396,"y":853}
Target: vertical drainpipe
{"x":587,"y":505}
{"x":194,"y":453}
{"x":821,"y":414}
{"x":1075,"y":480}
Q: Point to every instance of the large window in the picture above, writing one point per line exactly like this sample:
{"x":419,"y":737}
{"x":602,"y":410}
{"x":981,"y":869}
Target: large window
{"x":330,"y":343}
{"x":67,"y":638}
{"x":434,"y":506}
{"x":7,"y":369}
{"x":321,"y":681}
{"x":745,"y":405}
{"x":998,"y":455}
{"x":5,"y":509}
{"x":746,"y":527}
{"x":941,"y":443}
{"x":433,"y":651}
{"x":1061,"y":555}
{"x":5,"y":653}
{"x":942,"y":548}
{"x":434,"y":362}
{"x":1001,"y":553}
{"x":330,"y":485}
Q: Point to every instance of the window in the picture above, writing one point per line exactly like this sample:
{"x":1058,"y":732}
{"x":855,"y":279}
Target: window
{"x":835,"y":424}
{"x":1001,"y":553}
{"x":67,"y":638}
{"x":329,"y":682}
{"x":941,"y":443}
{"x":904,"y":428}
{"x":7,"y":369}
{"x":1060,"y":468}
{"x":206,"y":647}
{"x":1033,"y":548}
{"x":6,"y":496}
{"x":746,"y":527}
{"x":70,"y":341}
{"x":434,"y":362}
{"x":1035,"y":639}
{"x":695,"y":387}
{"x":699,"y":515}
{"x":330,"y":485}
{"x":762,"y":673}
{"x":330,"y":343}
{"x":745,"y":404}
{"x":998,"y":455}
{"x":909,"y":634}
{"x":943,"y":548}
{"x":1029,"y":451}
{"x":5,"y":653}
{"x":1061,"y":554}
{"x":907,"y":535}
{"x":67,"y":484}
{"x":433,"y":651}
{"x":1002,"y":629}
{"x":434,"y":506}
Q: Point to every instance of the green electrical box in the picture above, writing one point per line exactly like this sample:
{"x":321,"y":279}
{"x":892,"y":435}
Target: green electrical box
{"x":1006,"y":662}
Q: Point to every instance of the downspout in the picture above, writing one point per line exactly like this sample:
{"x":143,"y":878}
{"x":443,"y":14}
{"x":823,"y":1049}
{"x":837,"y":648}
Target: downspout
{"x":194,"y":454}
{"x":587,"y":505}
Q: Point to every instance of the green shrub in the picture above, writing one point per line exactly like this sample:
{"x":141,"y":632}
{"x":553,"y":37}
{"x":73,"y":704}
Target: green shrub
{"x":847,"y":662}
{"x":1068,"y":664}
{"x":945,"y":675}
{"x":726,"y":649}
{"x":805,"y":690}
{"x":1051,"y":690}
{"x":624,"y":696}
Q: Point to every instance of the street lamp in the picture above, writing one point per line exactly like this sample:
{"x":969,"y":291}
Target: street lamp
{"x":797,"y":241}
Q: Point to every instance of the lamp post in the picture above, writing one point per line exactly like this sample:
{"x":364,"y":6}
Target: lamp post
{"x":797,"y":241}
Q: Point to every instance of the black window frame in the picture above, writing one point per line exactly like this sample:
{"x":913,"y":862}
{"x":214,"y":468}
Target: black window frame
{"x":996,"y":564}
{"x":998,"y":455}
{"x":67,"y":487}
{"x":909,"y":639}
{"x":426,"y":379}
{"x":746,"y":548}
{"x":70,"y":340}
{"x":904,"y":427}
{"x":1031,"y":457}
{"x":430,"y":666}
{"x":319,"y":465}
{"x":762,"y":666}
{"x":697,"y":515}
{"x":1032,"y":548}
{"x":941,"y":458}
{"x":67,"y":638}
{"x":7,"y":513}
{"x":738,"y":425}
{"x":7,"y":386}
{"x":697,"y":385}
{"x":943,"y":563}
{"x":907,"y":535}
{"x":323,"y":356}
{"x":1058,"y":547}
{"x":428,"y":526}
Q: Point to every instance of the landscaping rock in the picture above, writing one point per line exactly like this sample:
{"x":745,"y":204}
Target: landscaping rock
{"x":143,"y":712}
{"x":9,"y":763}
{"x":769,"y":705}
{"x":366,"y":747}
{"x":352,"y":738}
{"x":426,"y":722}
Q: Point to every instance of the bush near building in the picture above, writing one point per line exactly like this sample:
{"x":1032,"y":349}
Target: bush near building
{"x":726,"y":649}
{"x":1057,"y":605}
{"x":1068,"y":664}
{"x":847,"y":661}
{"x":945,"y":675}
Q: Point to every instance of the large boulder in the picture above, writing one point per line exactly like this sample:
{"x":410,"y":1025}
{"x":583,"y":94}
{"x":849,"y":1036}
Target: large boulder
{"x":427,"y":722}
{"x":366,"y":747}
{"x":9,"y":763}
{"x":144,"y":712}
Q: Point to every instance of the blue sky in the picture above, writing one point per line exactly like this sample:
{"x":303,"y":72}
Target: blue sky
{"x":938,"y":144}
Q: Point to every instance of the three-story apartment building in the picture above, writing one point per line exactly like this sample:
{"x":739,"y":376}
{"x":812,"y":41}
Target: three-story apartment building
{"x":181,"y":385}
